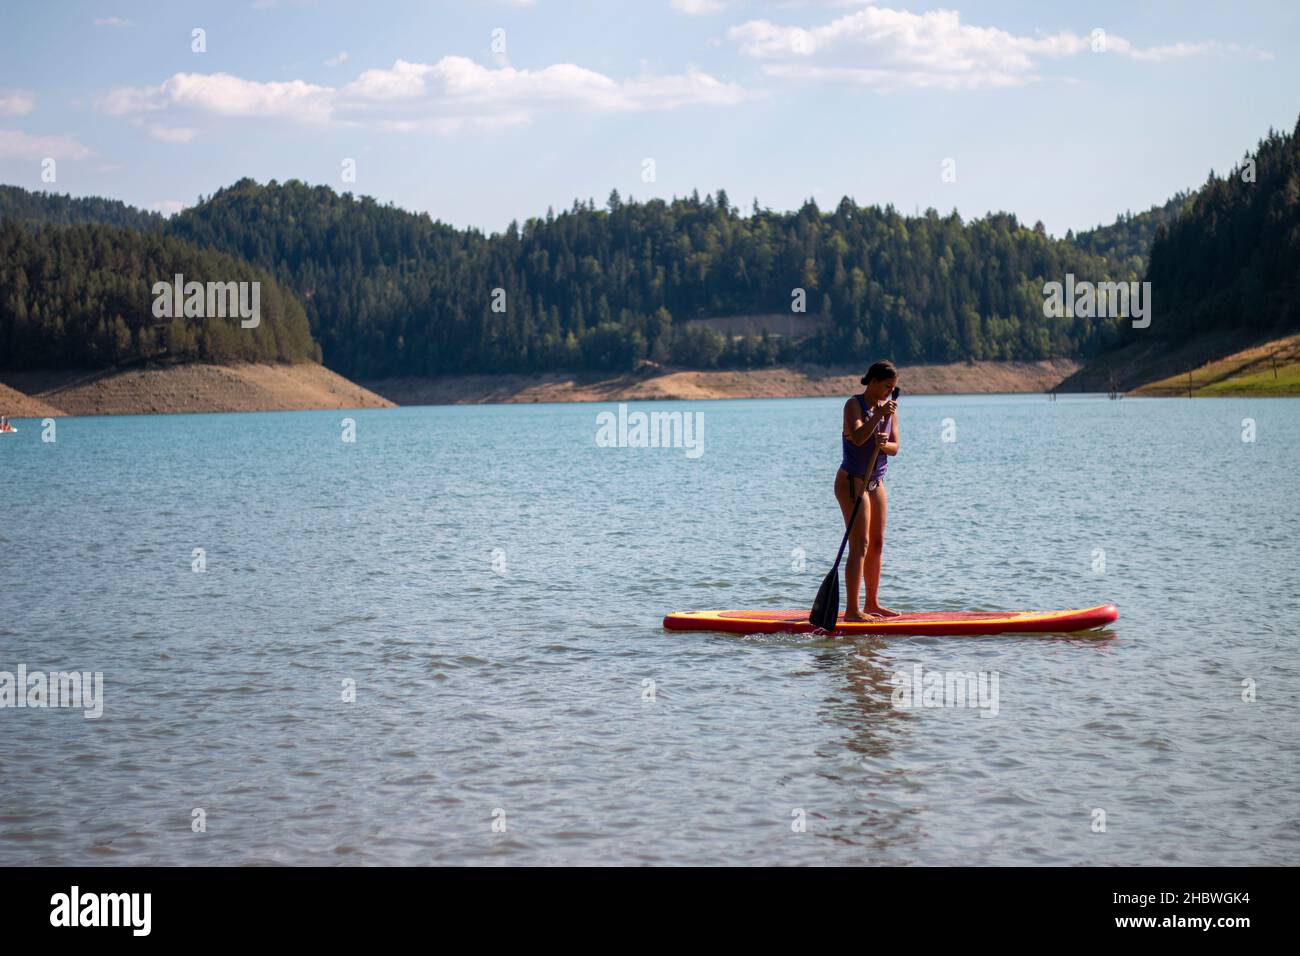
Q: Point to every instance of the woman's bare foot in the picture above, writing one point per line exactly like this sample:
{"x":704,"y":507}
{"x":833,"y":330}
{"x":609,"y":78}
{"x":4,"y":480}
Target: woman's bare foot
{"x":861,"y":617}
{"x":880,"y":612}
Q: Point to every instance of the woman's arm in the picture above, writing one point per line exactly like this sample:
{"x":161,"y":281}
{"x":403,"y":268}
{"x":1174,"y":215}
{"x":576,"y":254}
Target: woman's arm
{"x":857,"y":430}
{"x":890,"y":447}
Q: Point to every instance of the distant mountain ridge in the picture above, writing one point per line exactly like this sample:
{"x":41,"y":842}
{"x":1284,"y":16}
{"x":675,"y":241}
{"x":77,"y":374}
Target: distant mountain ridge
{"x":393,"y":293}
{"x":390,"y":293}
{"x":53,"y":209}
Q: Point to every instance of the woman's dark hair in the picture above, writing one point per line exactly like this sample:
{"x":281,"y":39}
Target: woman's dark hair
{"x":880,"y":372}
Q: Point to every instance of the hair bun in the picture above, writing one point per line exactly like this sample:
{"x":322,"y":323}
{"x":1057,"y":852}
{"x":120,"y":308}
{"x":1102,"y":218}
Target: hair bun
{"x":884,"y":369}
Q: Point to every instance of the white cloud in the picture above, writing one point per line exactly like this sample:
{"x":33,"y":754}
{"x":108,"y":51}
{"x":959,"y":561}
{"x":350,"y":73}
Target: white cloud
{"x":452,"y":95}
{"x":15,"y":144}
{"x":168,"y":207}
{"x":16,"y":102}
{"x":699,"y":8}
{"x":338,"y":59}
{"x":898,"y":49}
{"x":171,"y":134}
{"x":458,"y":81}
{"x":111,"y":22}
{"x":131,"y":99}
{"x":229,"y":95}
{"x":403,"y":81}
{"x":225,"y":95}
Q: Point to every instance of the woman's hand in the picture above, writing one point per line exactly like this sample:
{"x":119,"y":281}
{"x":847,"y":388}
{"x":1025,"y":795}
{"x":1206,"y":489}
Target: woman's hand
{"x":880,"y":412}
{"x":887,"y":439}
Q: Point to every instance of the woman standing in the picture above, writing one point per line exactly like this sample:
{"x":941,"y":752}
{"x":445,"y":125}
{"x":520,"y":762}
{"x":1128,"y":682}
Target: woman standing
{"x":870,"y":422}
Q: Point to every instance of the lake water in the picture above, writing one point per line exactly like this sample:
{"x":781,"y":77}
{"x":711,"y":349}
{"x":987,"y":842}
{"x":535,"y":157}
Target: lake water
{"x":493,"y":582}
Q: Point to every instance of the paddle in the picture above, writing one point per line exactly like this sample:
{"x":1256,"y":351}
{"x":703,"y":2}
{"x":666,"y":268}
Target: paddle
{"x":825,"y":613}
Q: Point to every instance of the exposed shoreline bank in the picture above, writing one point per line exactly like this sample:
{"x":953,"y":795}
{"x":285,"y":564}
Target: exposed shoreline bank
{"x":307,"y":386}
{"x":169,"y":389}
{"x":662,"y":384}
{"x":17,"y":405}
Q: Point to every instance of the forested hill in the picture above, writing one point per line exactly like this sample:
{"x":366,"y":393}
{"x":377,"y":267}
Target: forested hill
{"x":386,"y":290}
{"x":394,"y":293}
{"x":1232,"y":259}
{"x":82,"y":297}
{"x":57,"y":210}
{"x":391,"y":293}
{"x":1126,"y":242}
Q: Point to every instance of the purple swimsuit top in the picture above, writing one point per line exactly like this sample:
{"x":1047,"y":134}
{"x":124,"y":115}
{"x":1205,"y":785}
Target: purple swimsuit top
{"x":857,"y":458}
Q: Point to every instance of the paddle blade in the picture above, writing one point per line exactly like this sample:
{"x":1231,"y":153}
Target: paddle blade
{"x":825,"y":613}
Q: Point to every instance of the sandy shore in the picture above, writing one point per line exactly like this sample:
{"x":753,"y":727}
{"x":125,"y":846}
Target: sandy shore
{"x":662,"y":384}
{"x":183,"y":388}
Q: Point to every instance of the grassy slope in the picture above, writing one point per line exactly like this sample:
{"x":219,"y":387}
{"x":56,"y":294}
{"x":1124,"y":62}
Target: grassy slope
{"x":1270,"y":368}
{"x":1218,"y":362}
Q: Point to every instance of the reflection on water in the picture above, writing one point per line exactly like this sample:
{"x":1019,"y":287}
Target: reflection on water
{"x":862,"y":712}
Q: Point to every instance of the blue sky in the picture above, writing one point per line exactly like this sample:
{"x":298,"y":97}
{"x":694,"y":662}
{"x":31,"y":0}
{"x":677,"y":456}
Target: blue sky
{"x":779,"y":101}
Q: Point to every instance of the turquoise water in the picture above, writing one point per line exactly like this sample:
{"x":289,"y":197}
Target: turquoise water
{"x":493,"y":582}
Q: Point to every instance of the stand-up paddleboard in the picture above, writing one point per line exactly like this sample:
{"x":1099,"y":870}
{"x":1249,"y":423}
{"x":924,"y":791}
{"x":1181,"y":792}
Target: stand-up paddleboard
{"x":938,"y":623}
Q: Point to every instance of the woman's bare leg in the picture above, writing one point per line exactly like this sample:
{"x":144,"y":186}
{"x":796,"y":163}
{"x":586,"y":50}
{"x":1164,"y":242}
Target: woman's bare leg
{"x":875,"y":549}
{"x":853,"y":566}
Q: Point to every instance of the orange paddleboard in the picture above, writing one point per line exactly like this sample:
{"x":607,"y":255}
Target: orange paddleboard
{"x":930,"y":622}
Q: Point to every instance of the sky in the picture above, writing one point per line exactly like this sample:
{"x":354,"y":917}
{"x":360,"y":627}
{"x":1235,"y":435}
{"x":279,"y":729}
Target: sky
{"x":480,"y":112}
